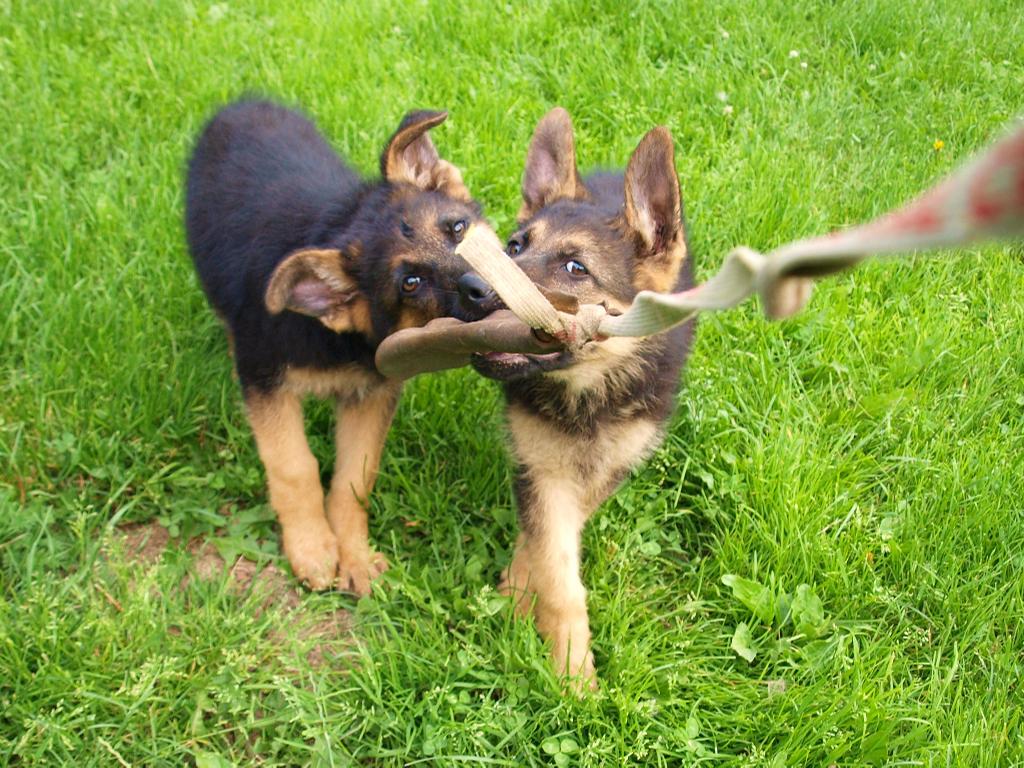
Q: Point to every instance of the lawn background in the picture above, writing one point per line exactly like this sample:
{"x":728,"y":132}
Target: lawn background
{"x":869,"y":448}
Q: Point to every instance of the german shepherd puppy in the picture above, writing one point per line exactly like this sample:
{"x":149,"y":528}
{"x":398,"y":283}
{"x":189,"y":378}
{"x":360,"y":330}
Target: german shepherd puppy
{"x":309,"y":266}
{"x":580,"y":422}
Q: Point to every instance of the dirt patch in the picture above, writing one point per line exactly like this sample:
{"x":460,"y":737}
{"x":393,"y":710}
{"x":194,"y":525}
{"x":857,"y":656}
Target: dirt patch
{"x":244,"y":576}
{"x":144,"y":544}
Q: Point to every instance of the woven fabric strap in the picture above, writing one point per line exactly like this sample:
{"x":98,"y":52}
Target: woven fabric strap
{"x":982,"y":200}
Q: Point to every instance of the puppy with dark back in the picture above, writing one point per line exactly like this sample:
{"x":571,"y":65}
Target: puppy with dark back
{"x":309,"y":266}
{"x":581,"y":421}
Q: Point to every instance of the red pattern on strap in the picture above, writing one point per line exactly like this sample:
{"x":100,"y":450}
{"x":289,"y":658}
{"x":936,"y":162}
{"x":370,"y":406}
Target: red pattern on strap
{"x":998,"y":189}
{"x":922,"y":216}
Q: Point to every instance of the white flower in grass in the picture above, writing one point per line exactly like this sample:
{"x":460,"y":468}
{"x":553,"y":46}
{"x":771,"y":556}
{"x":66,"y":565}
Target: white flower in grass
{"x":794,"y":54}
{"x":722,"y":96}
{"x":727,"y":109}
{"x":803,"y":65}
{"x":725,"y":35}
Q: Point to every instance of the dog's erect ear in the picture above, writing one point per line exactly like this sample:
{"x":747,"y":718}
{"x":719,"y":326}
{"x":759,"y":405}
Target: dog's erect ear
{"x":550,"y":172}
{"x":411,"y":158}
{"x":653,"y":203}
{"x":314,"y":282}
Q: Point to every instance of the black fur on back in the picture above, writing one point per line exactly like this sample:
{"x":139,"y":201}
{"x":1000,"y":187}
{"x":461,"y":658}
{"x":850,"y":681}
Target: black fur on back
{"x":262,"y":183}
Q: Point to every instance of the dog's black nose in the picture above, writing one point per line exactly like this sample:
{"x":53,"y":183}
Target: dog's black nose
{"x":474,"y":291}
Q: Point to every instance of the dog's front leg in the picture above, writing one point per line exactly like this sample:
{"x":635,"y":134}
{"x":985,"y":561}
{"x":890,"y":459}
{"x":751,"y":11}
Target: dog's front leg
{"x":515,"y":580}
{"x":548,"y":557}
{"x":293,"y":482}
{"x":360,"y":433}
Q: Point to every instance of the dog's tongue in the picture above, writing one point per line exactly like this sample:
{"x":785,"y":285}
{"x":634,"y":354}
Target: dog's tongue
{"x":499,"y":357}
{"x":448,"y":343}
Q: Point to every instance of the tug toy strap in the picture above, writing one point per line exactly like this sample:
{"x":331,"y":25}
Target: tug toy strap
{"x":983,"y":200}
{"x":447,"y":343}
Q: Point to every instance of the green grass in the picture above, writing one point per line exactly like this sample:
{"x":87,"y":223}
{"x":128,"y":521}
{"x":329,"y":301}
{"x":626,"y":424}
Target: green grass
{"x":869,"y":448}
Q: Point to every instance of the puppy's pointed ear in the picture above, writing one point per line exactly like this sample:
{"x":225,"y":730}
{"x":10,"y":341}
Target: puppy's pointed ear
{"x":653,"y":202}
{"x":410,"y":157}
{"x":315,"y":282}
{"x":550,"y":172}
{"x":653,"y":212}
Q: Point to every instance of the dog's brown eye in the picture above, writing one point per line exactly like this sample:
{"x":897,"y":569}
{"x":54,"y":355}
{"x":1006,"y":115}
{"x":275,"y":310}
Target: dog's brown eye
{"x":410,"y":283}
{"x":514,"y":248}
{"x":575,"y":268}
{"x":458,"y":229}
{"x":406,"y":229}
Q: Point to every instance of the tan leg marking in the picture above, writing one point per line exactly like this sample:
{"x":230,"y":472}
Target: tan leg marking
{"x":515,"y":580}
{"x":546,"y":563}
{"x":359,"y":439}
{"x":293,"y":481}
{"x":553,"y":551}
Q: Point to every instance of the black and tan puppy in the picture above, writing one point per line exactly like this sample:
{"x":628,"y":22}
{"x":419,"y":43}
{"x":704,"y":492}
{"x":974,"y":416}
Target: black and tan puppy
{"x":309,"y":266}
{"x":580,"y":422}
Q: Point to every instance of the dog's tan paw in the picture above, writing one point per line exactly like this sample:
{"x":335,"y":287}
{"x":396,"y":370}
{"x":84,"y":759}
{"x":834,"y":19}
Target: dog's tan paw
{"x":313,"y":555}
{"x":584,"y":677}
{"x":570,"y":652}
{"x":357,"y":572}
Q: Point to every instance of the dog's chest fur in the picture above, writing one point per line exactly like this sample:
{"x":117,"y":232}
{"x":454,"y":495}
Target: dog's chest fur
{"x":638,"y":382}
{"x":592,"y":423}
{"x":594,"y":465}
